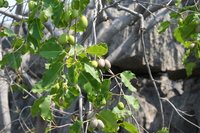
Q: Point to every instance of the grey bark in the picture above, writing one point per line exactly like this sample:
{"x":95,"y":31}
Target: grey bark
{"x":5,"y":120}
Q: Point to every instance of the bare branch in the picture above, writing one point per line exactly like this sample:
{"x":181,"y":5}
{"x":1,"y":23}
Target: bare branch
{"x":142,"y":28}
{"x":12,"y":15}
{"x":178,"y":112}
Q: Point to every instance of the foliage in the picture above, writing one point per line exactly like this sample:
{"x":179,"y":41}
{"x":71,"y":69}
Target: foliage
{"x":163,"y":130}
{"x":69,"y":73}
{"x":187,"y":33}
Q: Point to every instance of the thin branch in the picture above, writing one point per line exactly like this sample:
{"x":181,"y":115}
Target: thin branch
{"x":94,"y":23}
{"x":122,"y":93}
{"x":142,"y":27}
{"x":12,"y":15}
{"x":151,"y":76}
{"x":17,"y":17}
{"x":80,"y":107}
{"x":177,"y":111}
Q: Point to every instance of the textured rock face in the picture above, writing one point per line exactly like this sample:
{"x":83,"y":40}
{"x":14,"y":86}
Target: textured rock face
{"x":165,"y":58}
{"x":185,"y":100}
{"x":164,"y":54}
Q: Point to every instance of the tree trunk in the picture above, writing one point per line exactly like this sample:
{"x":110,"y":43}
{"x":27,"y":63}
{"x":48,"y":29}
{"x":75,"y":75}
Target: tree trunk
{"x":5,"y":120}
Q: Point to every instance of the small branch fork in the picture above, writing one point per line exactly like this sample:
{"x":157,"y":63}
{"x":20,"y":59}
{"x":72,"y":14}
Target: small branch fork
{"x":142,"y":30}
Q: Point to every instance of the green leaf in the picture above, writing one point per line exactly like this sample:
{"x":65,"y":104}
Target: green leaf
{"x":76,"y":127}
{"x":7,"y":32}
{"x":121,"y":114}
{"x":4,"y":3}
{"x":58,"y":11}
{"x":109,"y":119}
{"x":163,"y":26}
{"x":49,"y":77}
{"x":126,"y":76}
{"x":36,"y":29}
{"x":163,"y":130}
{"x":11,"y":59}
{"x":19,"y":1}
{"x":177,"y":2}
{"x":50,"y":49}
{"x":92,"y":71}
{"x":129,"y":127}
{"x":174,"y":15}
{"x":105,"y":86}
{"x":73,"y":74}
{"x":80,"y":4}
{"x":189,"y":67}
{"x":48,"y":11}
{"x":79,"y":49}
{"x":186,"y":30}
{"x":35,"y":110}
{"x":45,"y":108}
{"x":75,"y":4}
{"x":98,"y":49}
{"x":177,"y":35}
{"x":86,"y":78}
{"x":132,"y":101}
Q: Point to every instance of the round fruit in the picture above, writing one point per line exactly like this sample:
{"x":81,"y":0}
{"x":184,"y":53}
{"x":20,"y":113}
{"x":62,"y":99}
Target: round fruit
{"x":43,"y":17}
{"x":71,"y":39}
{"x":94,"y":123}
{"x":120,"y":106}
{"x":101,"y":63}
{"x":94,"y":63}
{"x":192,"y":45}
{"x":100,"y":124}
{"x":32,"y":5}
{"x":83,"y":21}
{"x":63,"y":39}
{"x":107,"y":64}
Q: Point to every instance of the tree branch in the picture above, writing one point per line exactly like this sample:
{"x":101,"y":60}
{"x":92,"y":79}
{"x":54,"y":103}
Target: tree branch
{"x":12,"y":15}
{"x":142,"y":29}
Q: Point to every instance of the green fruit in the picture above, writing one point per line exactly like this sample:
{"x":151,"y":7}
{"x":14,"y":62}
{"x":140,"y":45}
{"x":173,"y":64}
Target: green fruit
{"x":71,"y":39}
{"x":107,"y":64}
{"x":100,"y":124}
{"x":120,"y":106}
{"x":83,"y":22}
{"x":32,"y":5}
{"x":63,"y":39}
{"x":94,"y":63}
{"x":101,"y":63}
{"x":43,"y":17}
